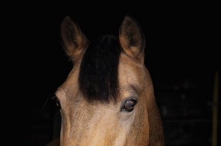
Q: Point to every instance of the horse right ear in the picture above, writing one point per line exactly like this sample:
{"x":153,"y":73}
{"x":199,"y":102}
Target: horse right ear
{"x":73,"y":39}
{"x":132,"y":38}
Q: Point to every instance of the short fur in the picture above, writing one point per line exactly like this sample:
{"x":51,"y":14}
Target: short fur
{"x":110,"y":69}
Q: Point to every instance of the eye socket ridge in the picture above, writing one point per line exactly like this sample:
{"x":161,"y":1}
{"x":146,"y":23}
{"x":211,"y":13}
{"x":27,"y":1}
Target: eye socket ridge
{"x":129,"y":104}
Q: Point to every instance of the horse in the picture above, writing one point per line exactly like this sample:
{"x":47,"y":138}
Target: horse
{"x":108,"y":97}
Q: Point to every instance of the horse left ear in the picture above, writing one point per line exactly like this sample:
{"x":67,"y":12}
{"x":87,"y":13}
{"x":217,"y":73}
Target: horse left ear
{"x":74,"y":40}
{"x":132,"y":39}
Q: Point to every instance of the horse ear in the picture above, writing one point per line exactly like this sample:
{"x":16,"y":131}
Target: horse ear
{"x":73,"y":39}
{"x":132,"y":39}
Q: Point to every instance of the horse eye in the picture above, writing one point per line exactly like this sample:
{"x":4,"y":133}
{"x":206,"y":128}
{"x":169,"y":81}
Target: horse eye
{"x":57,"y":102}
{"x":129,"y":105}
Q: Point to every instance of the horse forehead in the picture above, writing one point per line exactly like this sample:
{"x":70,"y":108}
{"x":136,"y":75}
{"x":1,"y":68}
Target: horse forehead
{"x":130,"y":70}
{"x":130,"y":73}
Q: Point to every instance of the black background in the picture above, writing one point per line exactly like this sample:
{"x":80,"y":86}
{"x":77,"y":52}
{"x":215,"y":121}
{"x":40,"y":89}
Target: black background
{"x":182,"y":55}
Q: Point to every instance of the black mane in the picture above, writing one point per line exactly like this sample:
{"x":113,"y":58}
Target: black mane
{"x":98,"y":78}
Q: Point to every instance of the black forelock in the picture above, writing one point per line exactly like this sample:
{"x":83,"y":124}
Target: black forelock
{"x":98,"y":78}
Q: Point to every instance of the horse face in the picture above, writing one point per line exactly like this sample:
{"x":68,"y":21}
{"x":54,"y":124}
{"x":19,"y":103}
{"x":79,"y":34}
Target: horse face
{"x":116,"y":121}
